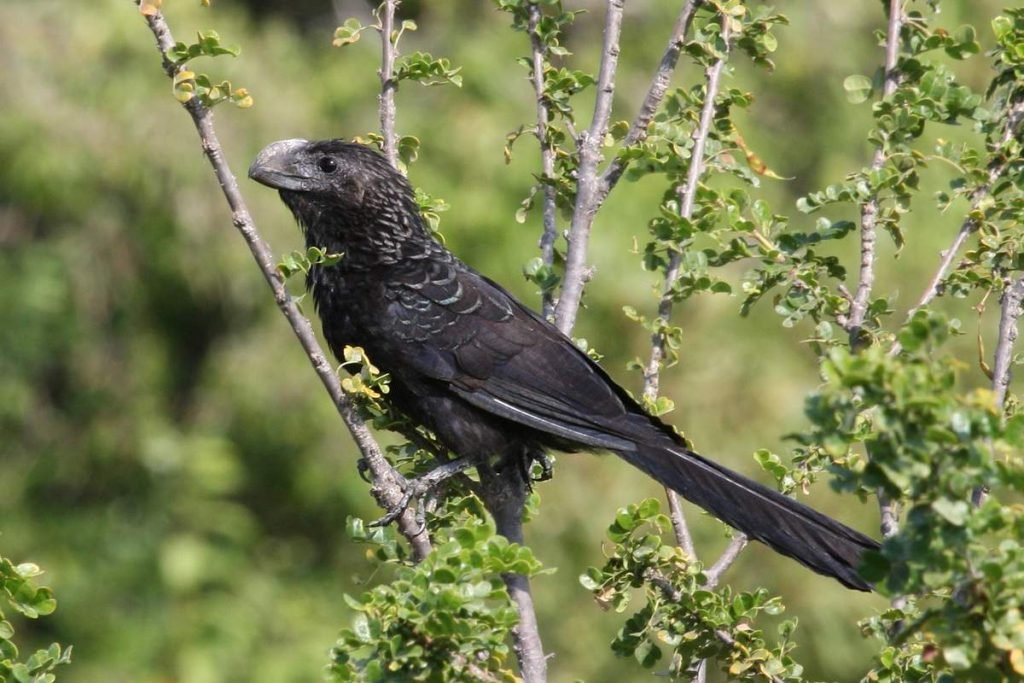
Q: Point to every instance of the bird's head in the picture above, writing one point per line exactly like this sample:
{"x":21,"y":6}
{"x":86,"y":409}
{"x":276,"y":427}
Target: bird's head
{"x":343,"y":171}
{"x":342,"y":193}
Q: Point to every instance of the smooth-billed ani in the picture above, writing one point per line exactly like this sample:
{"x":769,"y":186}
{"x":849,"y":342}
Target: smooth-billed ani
{"x":486,"y":374}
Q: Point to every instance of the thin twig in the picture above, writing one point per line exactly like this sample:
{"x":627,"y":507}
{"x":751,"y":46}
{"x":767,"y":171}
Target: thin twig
{"x":725,"y":560}
{"x":387,"y":482}
{"x":547,"y":154}
{"x":679,"y":526}
{"x":508,"y":506}
{"x":868,"y":221}
{"x":576,"y":270}
{"x":870,"y":209}
{"x":672,"y":595}
{"x":476,"y":673}
{"x":655,"y":94}
{"x":687,"y":199}
{"x":388,"y":85}
{"x":996,"y":169}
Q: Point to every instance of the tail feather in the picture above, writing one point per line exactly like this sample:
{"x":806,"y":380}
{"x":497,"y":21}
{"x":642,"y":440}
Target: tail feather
{"x":789,"y":527}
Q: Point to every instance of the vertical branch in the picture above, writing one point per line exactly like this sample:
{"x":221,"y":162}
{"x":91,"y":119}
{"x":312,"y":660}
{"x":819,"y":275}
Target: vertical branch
{"x":679,"y":526}
{"x":687,"y":199}
{"x":869,"y":210}
{"x":388,"y":85}
{"x":576,"y":270}
{"x":547,"y":154}
{"x":1010,"y":311}
{"x":591,"y":190}
{"x":652,"y":100}
{"x":504,"y":492}
{"x":702,"y":672}
{"x":387,"y":482}
{"x":868,"y":221}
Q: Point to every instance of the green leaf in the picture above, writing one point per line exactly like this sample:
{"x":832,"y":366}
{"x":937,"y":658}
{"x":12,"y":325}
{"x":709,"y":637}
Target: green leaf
{"x":957,"y":657}
{"x":858,"y":88}
{"x":1014,"y":432}
{"x":408,"y":148}
{"x":348,"y":33}
{"x":953,"y":511}
{"x":425,"y":70}
{"x":1002,"y":26}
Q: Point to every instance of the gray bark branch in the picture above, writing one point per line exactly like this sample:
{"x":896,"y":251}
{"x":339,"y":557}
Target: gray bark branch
{"x":388,"y":85}
{"x":547,"y":154}
{"x":870,"y":209}
{"x":652,"y":100}
{"x":576,"y":270}
{"x":687,"y":199}
{"x":387,"y":483}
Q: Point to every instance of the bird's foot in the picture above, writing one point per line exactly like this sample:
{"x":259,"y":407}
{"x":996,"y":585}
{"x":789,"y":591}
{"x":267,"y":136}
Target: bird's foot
{"x":544,"y":462}
{"x":419,"y":487}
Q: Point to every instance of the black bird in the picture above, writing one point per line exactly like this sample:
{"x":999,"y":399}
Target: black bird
{"x":486,"y":374}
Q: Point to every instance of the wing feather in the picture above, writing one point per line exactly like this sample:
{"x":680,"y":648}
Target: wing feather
{"x":516,"y":366}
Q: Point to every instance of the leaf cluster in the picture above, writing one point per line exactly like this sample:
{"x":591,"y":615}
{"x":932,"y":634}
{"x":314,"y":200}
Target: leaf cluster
{"x":931,"y":448}
{"x":188,"y":85}
{"x":682,"y":619}
{"x":19,"y":590}
{"x":447,"y":618}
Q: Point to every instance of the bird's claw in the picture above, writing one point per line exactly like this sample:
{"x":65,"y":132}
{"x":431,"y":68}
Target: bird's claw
{"x":401,"y":506}
{"x":419,"y":487}
{"x":546,"y":464}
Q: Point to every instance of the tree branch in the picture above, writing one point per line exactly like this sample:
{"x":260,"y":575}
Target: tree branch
{"x":661,"y":582}
{"x":387,"y":483}
{"x":728,"y":556}
{"x":655,"y":94}
{"x":679,"y":526}
{"x":547,"y":154}
{"x":591,"y":191}
{"x":869,"y":210}
{"x":868,"y":221}
{"x":504,"y":492}
{"x":687,"y":199}
{"x":1010,"y":310}
{"x":996,"y":169}
{"x":576,"y":270}
{"x":388,"y":85}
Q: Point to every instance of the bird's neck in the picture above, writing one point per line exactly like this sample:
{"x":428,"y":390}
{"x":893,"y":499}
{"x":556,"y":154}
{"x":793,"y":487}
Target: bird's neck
{"x":376,"y":234}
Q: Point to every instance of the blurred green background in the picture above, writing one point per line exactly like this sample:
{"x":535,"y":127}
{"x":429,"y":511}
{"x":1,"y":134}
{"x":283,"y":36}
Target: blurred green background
{"x":166,"y":453}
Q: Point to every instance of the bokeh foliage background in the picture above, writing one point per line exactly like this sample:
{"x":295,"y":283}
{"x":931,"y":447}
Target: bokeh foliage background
{"x":166,"y":454}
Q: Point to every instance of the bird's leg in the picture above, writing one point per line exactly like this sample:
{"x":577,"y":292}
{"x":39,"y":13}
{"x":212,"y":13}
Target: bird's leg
{"x":422,"y":485}
{"x":525,"y":459}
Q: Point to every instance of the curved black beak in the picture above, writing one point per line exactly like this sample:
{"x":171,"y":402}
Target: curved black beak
{"x":278,"y":166}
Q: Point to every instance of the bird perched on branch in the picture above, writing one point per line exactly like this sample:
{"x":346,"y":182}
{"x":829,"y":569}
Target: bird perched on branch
{"x":486,"y":374}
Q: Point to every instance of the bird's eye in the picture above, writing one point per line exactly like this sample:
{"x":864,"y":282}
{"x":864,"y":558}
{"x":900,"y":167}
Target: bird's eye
{"x":327,"y":165}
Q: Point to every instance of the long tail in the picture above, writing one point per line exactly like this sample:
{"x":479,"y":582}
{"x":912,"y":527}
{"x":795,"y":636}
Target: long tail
{"x":789,"y":527}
